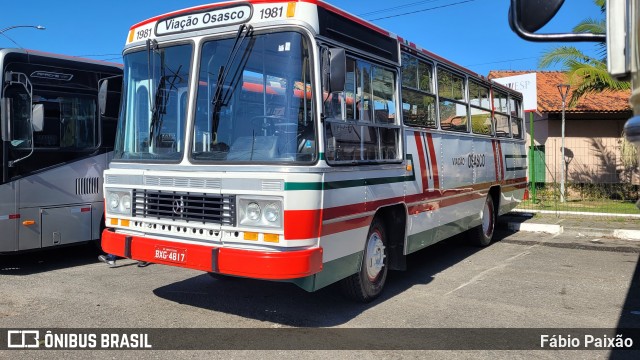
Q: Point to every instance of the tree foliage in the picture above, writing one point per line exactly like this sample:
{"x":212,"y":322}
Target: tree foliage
{"x":586,"y":74}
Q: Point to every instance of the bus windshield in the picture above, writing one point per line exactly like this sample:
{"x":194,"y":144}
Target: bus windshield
{"x":254,"y":102}
{"x":155,"y":104}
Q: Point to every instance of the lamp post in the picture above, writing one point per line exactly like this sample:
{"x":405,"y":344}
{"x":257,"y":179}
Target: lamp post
{"x":2,"y":32}
{"x":38,"y":27}
{"x":564,"y":91}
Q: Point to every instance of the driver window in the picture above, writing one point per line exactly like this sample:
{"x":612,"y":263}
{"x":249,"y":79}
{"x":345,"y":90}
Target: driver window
{"x":19,"y":110}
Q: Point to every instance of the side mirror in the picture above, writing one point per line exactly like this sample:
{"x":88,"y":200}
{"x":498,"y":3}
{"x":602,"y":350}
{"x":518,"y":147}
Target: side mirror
{"x":533,"y":14}
{"x":632,"y":130}
{"x":528,"y":16}
{"x":337,"y":69}
{"x":37,"y":117}
{"x":102,"y":96}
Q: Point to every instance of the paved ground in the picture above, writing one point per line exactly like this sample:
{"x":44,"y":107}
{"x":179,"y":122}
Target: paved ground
{"x":524,"y":280}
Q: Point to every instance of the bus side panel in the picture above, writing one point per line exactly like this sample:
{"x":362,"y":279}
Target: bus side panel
{"x":421,"y":193}
{"x":345,"y":224}
{"x":8,"y":219}
{"x":460,"y":205}
{"x":515,"y":182}
{"x":61,"y":202}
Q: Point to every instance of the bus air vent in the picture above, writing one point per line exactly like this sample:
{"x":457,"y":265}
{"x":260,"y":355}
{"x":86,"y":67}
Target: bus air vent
{"x":87,"y":186}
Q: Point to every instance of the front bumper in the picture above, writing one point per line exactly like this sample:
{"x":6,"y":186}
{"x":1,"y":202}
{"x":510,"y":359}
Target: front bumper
{"x":281,"y":265}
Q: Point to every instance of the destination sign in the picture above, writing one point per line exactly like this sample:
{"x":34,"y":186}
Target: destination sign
{"x":204,"y":20}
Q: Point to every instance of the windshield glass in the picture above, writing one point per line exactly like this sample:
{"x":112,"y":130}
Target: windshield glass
{"x":262,"y":110}
{"x":153,"y":118}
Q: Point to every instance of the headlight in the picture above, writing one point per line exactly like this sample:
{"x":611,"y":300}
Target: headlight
{"x":260,"y":212}
{"x":253,"y":211}
{"x":118,"y":202}
{"x":272,"y":212}
{"x":114,"y":201}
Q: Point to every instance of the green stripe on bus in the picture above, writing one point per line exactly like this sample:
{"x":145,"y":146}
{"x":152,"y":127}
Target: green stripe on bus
{"x":345,"y":184}
{"x":423,"y":239}
{"x":332,"y":271}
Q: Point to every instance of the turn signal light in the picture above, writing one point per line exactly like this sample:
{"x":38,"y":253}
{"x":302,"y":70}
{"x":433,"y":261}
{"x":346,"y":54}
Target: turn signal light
{"x":272,"y":238}
{"x":291,"y":9}
{"x":251,"y":236}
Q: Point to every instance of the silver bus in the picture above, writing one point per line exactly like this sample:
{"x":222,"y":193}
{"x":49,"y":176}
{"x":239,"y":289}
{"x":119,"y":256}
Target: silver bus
{"x":55,"y":145}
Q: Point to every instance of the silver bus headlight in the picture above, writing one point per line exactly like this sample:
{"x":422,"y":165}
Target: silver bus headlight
{"x":118,"y":202}
{"x":260,"y":212}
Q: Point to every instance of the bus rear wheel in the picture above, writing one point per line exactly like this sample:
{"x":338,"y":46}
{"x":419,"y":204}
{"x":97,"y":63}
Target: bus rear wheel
{"x":367,"y":284}
{"x":482,"y":234}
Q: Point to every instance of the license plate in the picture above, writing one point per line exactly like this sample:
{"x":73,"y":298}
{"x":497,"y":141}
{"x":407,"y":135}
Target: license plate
{"x":171,"y":254}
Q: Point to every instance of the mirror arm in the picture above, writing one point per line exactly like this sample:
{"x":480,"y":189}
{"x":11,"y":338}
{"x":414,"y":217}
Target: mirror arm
{"x":568,"y":37}
{"x":13,"y":162}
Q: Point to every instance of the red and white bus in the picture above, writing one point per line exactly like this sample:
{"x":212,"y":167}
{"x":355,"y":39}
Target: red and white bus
{"x":293,"y":141}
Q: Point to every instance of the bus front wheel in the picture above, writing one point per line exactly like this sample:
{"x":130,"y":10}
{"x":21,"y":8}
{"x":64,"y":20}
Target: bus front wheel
{"x":367,"y":284}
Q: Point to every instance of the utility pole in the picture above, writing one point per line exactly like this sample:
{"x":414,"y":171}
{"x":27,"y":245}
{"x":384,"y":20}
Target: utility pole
{"x":564,"y":91}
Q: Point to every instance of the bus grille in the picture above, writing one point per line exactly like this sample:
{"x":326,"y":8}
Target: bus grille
{"x":198,"y":207}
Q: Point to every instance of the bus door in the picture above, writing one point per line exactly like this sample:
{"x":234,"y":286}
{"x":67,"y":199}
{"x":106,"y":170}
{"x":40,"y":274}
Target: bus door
{"x":8,"y":215}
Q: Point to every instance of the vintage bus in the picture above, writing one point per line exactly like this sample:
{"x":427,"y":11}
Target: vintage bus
{"x":55,"y":145}
{"x":293,"y":141}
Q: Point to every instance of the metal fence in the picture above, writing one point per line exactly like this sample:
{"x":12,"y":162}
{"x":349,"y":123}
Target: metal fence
{"x":600,"y":175}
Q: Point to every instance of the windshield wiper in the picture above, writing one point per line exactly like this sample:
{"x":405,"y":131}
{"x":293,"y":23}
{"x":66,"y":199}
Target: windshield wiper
{"x":160,"y":103}
{"x":223,"y":72}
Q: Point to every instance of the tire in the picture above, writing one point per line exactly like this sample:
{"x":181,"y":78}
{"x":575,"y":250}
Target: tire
{"x":367,"y":284}
{"x":482,"y":235}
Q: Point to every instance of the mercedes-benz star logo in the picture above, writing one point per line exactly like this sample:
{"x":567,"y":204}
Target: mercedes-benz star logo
{"x":178,"y":206}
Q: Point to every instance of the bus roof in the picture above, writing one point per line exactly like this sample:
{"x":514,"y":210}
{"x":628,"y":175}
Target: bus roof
{"x":326,"y":6}
{"x":225,"y":3}
{"x":60,"y":56}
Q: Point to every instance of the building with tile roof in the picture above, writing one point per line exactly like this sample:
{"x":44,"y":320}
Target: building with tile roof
{"x":593,"y":129}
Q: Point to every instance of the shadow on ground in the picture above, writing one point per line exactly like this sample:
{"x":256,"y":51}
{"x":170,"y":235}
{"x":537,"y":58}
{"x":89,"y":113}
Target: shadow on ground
{"x":286,"y":304}
{"x":37,"y":261}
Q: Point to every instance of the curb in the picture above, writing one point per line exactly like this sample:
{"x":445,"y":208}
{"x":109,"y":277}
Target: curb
{"x":531,"y":227}
{"x":627,"y":234}
{"x":623,"y":234}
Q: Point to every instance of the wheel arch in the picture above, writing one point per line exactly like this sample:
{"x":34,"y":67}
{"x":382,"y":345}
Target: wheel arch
{"x":495,"y":193}
{"x":394,"y":218}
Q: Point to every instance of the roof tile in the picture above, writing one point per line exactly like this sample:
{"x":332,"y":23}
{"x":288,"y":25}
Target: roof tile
{"x":549,"y":99}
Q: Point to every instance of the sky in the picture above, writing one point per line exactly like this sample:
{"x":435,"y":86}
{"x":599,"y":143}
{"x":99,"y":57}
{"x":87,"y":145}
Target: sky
{"x":471,"y":33}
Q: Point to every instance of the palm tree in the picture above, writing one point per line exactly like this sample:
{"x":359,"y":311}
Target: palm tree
{"x":586,"y":74}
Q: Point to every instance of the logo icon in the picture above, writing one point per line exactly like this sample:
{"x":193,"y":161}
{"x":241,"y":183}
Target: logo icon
{"x":23,"y":339}
{"x":178,"y":206}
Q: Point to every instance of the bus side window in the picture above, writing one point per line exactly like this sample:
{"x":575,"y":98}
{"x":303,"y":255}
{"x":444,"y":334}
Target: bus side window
{"x":502,"y":125}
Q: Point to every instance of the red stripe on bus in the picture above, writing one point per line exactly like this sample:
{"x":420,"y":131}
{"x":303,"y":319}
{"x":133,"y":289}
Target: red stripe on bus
{"x":495,"y":159}
{"x":430,"y":196}
{"x":14,"y":216}
{"x":499,"y":146}
{"x":442,"y":203}
{"x":421,"y":160}
{"x":302,"y":224}
{"x":346,"y":225}
{"x":434,"y":162}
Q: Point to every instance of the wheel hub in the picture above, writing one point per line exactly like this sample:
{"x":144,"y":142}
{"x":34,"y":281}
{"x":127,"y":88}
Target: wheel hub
{"x":375,"y":256}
